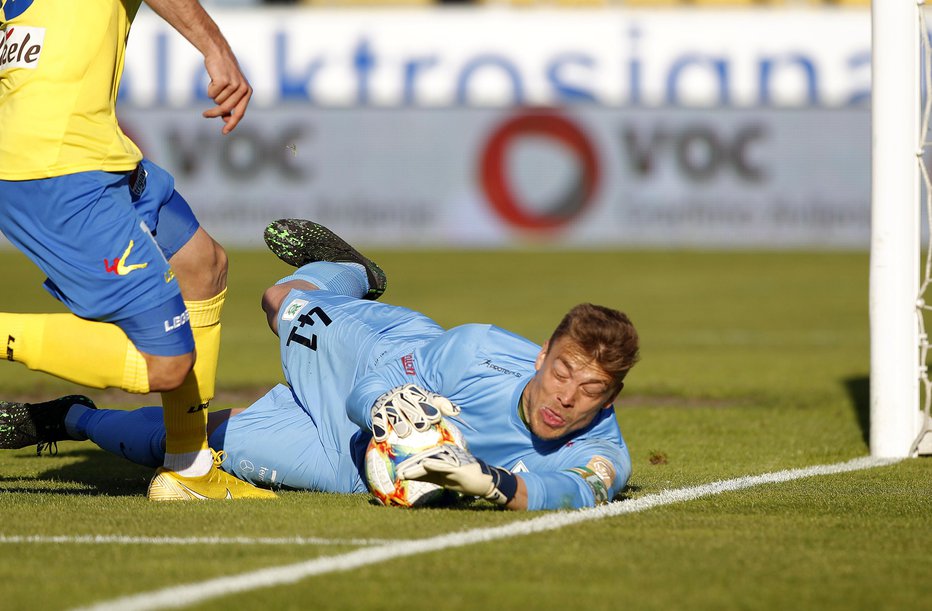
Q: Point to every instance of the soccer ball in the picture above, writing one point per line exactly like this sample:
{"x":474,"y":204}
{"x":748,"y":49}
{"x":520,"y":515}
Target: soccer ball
{"x":383,"y":458}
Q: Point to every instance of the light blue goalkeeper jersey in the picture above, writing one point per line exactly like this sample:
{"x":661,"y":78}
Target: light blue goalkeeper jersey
{"x":484,"y":370}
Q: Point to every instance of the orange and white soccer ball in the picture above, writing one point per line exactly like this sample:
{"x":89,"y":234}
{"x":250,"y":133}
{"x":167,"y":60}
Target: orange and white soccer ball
{"x":383,"y":458}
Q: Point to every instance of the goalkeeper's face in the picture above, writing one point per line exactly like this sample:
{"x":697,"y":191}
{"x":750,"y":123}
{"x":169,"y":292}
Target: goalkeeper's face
{"x":567,"y":392}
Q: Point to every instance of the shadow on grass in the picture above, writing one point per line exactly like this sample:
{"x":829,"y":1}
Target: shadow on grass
{"x":96,"y":472}
{"x":859,"y":391}
{"x":627,"y":493}
{"x":450,"y":501}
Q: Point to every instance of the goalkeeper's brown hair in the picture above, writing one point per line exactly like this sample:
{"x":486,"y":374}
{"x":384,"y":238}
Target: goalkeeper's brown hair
{"x":604,"y":336}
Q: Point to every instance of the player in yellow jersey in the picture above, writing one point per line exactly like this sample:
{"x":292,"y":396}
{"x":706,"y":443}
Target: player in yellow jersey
{"x":121,"y":248}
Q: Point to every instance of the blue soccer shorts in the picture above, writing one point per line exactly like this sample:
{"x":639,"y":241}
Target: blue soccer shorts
{"x":103,"y":240}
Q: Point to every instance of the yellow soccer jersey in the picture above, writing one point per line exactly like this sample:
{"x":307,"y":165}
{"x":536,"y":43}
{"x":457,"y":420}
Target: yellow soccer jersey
{"x":60,"y":68}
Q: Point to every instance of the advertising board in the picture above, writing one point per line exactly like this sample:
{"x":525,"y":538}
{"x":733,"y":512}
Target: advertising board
{"x":581,"y":177}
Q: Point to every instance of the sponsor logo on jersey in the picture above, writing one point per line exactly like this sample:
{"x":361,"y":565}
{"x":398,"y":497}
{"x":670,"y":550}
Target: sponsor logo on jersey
{"x":10,"y":342}
{"x":293,"y":308}
{"x":119,"y":266}
{"x":407,"y":361}
{"x":488,"y":363}
{"x":266,"y":474}
{"x":20,"y":46}
{"x":376,"y":360}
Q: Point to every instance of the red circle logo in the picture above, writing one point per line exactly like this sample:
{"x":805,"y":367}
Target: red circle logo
{"x":562,"y":209}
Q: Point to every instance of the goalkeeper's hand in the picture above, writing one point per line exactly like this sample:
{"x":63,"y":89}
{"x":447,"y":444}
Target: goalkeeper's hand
{"x":408,"y":407}
{"x":450,"y":466}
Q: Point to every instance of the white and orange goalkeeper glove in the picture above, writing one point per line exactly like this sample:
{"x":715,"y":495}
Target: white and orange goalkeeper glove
{"x":406,"y":408}
{"x":453,"y":467}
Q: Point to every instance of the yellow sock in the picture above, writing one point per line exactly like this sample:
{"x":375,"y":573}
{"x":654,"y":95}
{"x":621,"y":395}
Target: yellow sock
{"x":87,"y":352}
{"x":185,"y":408}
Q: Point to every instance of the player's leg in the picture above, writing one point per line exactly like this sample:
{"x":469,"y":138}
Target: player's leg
{"x":80,"y":230}
{"x":275,"y":443}
{"x":325,"y":259}
{"x":39,"y":424}
{"x":200,"y":266}
{"x":72,"y":225}
{"x":157,"y":340}
{"x":137,"y":435}
{"x":45,"y":342}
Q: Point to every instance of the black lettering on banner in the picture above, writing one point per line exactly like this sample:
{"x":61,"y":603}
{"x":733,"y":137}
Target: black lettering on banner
{"x":244,"y":155}
{"x":699,"y":152}
{"x":307,"y":318}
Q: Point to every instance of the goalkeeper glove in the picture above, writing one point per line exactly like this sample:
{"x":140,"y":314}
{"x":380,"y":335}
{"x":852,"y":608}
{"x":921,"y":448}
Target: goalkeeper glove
{"x":406,"y":407}
{"x":450,"y":466}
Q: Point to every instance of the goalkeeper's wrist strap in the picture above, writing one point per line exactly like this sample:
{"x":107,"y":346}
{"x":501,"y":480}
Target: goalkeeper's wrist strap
{"x":504,"y":484}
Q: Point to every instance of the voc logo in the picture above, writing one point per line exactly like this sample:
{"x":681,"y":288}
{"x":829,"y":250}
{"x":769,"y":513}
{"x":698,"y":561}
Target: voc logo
{"x":497,"y":171}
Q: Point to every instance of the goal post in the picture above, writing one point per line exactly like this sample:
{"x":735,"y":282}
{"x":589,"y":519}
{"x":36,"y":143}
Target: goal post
{"x":895,"y":368}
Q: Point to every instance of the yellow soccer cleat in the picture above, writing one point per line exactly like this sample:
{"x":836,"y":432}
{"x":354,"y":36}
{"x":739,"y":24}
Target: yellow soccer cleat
{"x":214,"y":485}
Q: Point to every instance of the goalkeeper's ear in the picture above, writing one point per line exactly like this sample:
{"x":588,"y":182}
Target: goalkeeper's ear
{"x":614,"y":396}
{"x":539,"y":361}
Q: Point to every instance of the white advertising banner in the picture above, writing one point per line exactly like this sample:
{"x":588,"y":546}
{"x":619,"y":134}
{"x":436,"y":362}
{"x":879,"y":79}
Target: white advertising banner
{"x":578,"y":177}
{"x":492,"y":56}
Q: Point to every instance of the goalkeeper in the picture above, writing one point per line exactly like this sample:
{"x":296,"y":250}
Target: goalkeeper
{"x":538,"y":420}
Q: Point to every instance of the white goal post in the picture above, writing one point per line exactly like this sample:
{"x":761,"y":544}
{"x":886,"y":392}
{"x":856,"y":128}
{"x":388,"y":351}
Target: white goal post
{"x":898,"y":340}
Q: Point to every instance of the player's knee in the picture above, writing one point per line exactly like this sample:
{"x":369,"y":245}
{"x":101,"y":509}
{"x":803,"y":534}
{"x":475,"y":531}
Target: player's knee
{"x":201,"y":267}
{"x":215,"y":264}
{"x":166,"y":373}
{"x":219,"y":263}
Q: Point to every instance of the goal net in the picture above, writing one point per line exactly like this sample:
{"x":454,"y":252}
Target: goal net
{"x":900,"y":267}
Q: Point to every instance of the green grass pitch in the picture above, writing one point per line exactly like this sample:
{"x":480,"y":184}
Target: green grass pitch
{"x":751,"y":363}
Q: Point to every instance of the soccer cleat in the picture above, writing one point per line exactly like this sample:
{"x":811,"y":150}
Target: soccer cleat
{"x":298,"y":242}
{"x":214,"y":485}
{"x":42,"y":424}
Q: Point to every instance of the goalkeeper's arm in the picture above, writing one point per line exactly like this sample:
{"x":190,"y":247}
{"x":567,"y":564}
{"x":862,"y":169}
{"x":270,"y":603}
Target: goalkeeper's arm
{"x":453,"y":467}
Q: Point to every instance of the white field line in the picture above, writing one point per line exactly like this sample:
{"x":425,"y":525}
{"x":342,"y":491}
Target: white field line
{"x":125,"y":540}
{"x":183,"y":595}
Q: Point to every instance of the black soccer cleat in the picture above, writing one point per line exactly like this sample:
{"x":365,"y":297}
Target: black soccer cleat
{"x":298,"y":242}
{"x":42,"y":424}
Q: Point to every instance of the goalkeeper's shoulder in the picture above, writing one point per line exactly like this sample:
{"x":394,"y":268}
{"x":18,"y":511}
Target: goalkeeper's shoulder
{"x":491,"y":341}
{"x":469,"y":332}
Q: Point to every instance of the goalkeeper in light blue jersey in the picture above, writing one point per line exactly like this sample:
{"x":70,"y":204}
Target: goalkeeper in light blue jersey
{"x":538,"y":420}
